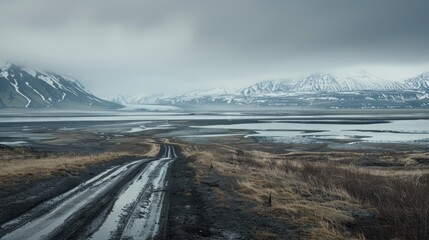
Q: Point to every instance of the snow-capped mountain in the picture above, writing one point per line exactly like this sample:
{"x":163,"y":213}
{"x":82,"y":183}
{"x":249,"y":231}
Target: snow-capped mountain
{"x":358,"y":81}
{"x":119,"y":99}
{"x":219,"y":92}
{"x":269,"y":86}
{"x":419,"y":82}
{"x":124,"y":100}
{"x":324,"y":82}
{"x":28,"y":88}
{"x":320,"y":90}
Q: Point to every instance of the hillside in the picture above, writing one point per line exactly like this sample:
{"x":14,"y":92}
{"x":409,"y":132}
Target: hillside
{"x":27,"y":88}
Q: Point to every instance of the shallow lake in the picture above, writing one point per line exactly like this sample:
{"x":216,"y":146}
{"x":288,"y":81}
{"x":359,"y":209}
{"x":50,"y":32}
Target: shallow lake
{"x":382,"y":131}
{"x":18,"y":129}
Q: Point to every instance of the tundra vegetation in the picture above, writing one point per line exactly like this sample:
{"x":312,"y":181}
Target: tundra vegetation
{"x":24,"y":164}
{"x":326,"y":194}
{"x":323,"y":193}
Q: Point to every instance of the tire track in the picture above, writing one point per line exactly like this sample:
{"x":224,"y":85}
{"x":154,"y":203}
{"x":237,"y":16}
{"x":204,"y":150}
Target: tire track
{"x":133,"y":215}
{"x":127,"y":187}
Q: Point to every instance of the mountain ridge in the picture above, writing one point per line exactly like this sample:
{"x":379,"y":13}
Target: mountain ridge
{"x":22,"y":87}
{"x":420,"y":81}
{"x":325,"y":90}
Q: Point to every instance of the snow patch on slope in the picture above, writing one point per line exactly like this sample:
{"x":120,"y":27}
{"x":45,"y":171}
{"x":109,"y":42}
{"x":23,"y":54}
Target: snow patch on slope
{"x":15,"y":85}
{"x":43,"y":97}
{"x":48,"y":80}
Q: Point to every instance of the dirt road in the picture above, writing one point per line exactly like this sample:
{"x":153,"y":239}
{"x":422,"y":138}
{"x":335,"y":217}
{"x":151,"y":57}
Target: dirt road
{"x":124,"y":202}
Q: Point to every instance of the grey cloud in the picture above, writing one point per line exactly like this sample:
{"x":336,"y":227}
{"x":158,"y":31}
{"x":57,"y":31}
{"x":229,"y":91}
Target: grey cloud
{"x":134,"y":46}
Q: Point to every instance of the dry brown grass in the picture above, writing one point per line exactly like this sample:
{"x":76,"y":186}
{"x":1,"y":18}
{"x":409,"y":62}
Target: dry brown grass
{"x":24,"y":164}
{"x":153,"y":150}
{"x":264,"y":235}
{"x":318,"y":193}
{"x":29,"y":168}
{"x":309,"y":207}
{"x":401,"y":202}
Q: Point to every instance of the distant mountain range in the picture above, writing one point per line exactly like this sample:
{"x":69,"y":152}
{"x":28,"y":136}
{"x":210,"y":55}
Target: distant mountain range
{"x":22,"y":87}
{"x":320,"y":90}
{"x":27,"y":88}
{"x":359,"y":81}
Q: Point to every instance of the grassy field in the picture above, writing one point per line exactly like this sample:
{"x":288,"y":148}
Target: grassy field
{"x":23,"y":164}
{"x":321,"y":194}
{"x":327,"y":195}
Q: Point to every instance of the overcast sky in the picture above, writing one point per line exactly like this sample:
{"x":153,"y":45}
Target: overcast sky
{"x":139,"y":47}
